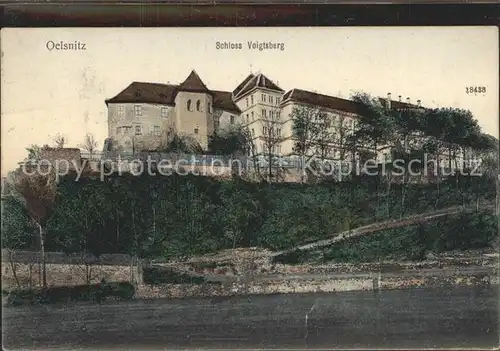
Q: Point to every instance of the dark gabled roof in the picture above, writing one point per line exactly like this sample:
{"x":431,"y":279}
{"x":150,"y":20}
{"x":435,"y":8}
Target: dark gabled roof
{"x":242,"y":84}
{"x":223,"y":100}
{"x":321,"y":100}
{"x":146,"y":92}
{"x":258,"y":81}
{"x":194,"y":83}
{"x":399,"y":105}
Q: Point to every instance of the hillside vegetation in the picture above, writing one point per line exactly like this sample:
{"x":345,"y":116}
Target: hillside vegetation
{"x":177,"y":216}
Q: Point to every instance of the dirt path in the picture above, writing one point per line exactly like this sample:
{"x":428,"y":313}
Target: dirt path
{"x":379,"y":226}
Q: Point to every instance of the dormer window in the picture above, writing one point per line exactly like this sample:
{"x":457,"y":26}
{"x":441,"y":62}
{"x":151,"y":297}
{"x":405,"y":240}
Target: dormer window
{"x":198,"y":105}
{"x":188,"y":105}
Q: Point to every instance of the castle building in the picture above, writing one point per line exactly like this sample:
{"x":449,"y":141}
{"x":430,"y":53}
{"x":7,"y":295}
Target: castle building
{"x":143,"y":114}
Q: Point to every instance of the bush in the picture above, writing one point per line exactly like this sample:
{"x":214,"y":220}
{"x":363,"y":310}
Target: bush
{"x":95,"y":292}
{"x":158,"y":275}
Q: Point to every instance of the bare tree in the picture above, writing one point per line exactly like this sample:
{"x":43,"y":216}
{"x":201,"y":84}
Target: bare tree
{"x":89,"y":144}
{"x":305,"y":131}
{"x":38,"y":193}
{"x":60,"y":140}
{"x":271,"y":141}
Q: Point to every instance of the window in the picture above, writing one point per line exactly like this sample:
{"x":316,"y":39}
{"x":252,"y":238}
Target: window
{"x":137,"y":110}
{"x":278,"y":131}
{"x":231,"y":119}
{"x":138,"y":130}
{"x":198,"y":105}
{"x":216,"y":123}
{"x":263,"y":97}
{"x":263,"y":113}
{"x":277,"y":100}
{"x":277,"y":114}
{"x":270,"y":99}
{"x":125,"y":130}
{"x":251,"y":98}
{"x":196,"y":130}
{"x":248,"y":119}
{"x":253,"y":132}
{"x":164,"y":112}
{"x":252,"y":115}
{"x":188,"y":105}
{"x":120,"y":110}
{"x":272,"y":114}
{"x":209,"y":107}
{"x":246,"y":101}
{"x":264,"y":130}
{"x":156,"y":130}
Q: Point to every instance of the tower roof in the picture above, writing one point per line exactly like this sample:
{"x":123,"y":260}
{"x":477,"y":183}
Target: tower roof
{"x":258,"y":81}
{"x":242,"y":84}
{"x":193,"y":83}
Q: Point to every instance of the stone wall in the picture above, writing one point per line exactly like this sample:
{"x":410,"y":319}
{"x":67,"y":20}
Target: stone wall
{"x":364,"y":282}
{"x":29,"y":275}
{"x":62,"y":269}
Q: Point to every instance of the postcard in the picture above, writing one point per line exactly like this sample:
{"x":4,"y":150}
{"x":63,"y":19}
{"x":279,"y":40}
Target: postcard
{"x":266,"y":187}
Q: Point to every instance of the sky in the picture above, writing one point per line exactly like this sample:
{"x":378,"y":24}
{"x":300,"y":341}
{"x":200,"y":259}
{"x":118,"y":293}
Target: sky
{"x":46,"y":92}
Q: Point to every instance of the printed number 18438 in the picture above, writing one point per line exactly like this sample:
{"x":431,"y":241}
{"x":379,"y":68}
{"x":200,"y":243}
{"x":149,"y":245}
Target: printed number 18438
{"x":475,"y":90}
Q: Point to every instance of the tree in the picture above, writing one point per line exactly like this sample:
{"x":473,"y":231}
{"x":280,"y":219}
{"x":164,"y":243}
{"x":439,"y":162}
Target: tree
{"x":89,"y":144}
{"x":231,"y":142}
{"x":376,"y":125}
{"x":306,"y":131}
{"x":271,"y":140}
{"x":16,"y":228}
{"x":38,"y":193}
{"x":181,"y":144}
{"x":33,"y":153}
{"x":60,"y":140}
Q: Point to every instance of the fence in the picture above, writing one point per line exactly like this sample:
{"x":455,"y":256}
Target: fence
{"x":63,"y":258}
{"x":24,"y":269}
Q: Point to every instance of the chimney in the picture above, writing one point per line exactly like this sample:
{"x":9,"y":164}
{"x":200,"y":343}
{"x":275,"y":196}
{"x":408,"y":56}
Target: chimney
{"x":419,"y":103}
{"x":407,"y":100}
{"x":388,"y":100}
{"x":399,"y":97}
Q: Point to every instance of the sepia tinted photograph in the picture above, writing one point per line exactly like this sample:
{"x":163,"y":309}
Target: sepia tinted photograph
{"x":249,"y":188}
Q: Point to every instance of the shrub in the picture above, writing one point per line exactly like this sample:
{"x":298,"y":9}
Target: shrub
{"x":158,"y":275}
